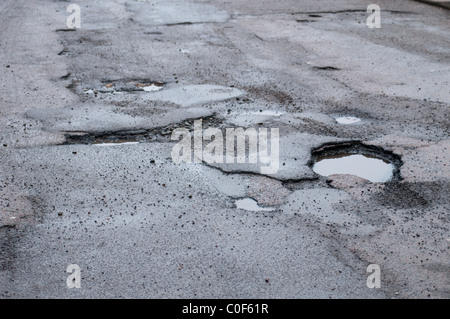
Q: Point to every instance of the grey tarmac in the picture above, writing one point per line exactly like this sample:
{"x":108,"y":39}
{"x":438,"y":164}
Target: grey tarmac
{"x":87,"y":176}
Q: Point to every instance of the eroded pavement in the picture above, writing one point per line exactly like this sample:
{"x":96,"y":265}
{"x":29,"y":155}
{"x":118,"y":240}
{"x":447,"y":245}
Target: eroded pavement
{"x":140,"y":225}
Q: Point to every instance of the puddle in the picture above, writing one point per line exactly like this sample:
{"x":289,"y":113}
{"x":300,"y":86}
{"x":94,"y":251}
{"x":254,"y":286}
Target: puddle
{"x":354,"y":158}
{"x":346,"y":120}
{"x":115,"y":143}
{"x":251,"y":205}
{"x":124,"y":86}
{"x":152,"y":88}
{"x":149,"y":87}
{"x":371,"y":168}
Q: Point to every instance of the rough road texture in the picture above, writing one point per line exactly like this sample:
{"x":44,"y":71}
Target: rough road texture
{"x":139,"y":225}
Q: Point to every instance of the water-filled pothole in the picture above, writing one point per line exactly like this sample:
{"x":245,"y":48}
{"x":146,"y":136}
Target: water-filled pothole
{"x":119,"y":86}
{"x":251,"y":205}
{"x":370,"y":168}
{"x":150,"y":87}
{"x":354,"y":158}
{"x":346,"y":120}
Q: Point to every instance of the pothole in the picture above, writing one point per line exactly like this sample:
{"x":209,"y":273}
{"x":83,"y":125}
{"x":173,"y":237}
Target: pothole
{"x":251,"y":205}
{"x":354,"y":158}
{"x":119,"y":86}
{"x":346,"y":120}
{"x":121,"y":137}
{"x":150,"y":87}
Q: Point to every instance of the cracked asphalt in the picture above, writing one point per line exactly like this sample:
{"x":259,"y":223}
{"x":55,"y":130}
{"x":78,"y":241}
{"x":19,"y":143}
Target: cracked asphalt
{"x":87,"y":176}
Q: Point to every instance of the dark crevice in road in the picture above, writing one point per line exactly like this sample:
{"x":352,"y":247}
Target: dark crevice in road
{"x":190,"y":23}
{"x":181,"y":23}
{"x":158,"y":134}
{"x":288,"y":183}
{"x":184,"y":23}
{"x":316,"y":14}
{"x":349,"y":11}
{"x":66,"y":30}
{"x":326,"y":68}
{"x":63,"y":52}
{"x":65,"y":77}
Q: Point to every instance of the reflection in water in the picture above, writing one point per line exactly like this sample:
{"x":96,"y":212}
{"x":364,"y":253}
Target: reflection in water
{"x":365,"y":166}
{"x":152,"y":88}
{"x":251,"y":205}
{"x":114,"y":143}
{"x":348,"y":120}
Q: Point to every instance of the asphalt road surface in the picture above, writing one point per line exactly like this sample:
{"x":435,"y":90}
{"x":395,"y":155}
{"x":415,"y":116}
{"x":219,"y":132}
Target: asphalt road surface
{"x":87,"y":174}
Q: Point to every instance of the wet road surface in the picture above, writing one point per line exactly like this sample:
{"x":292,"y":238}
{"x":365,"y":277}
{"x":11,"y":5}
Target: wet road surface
{"x":141,"y":226}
